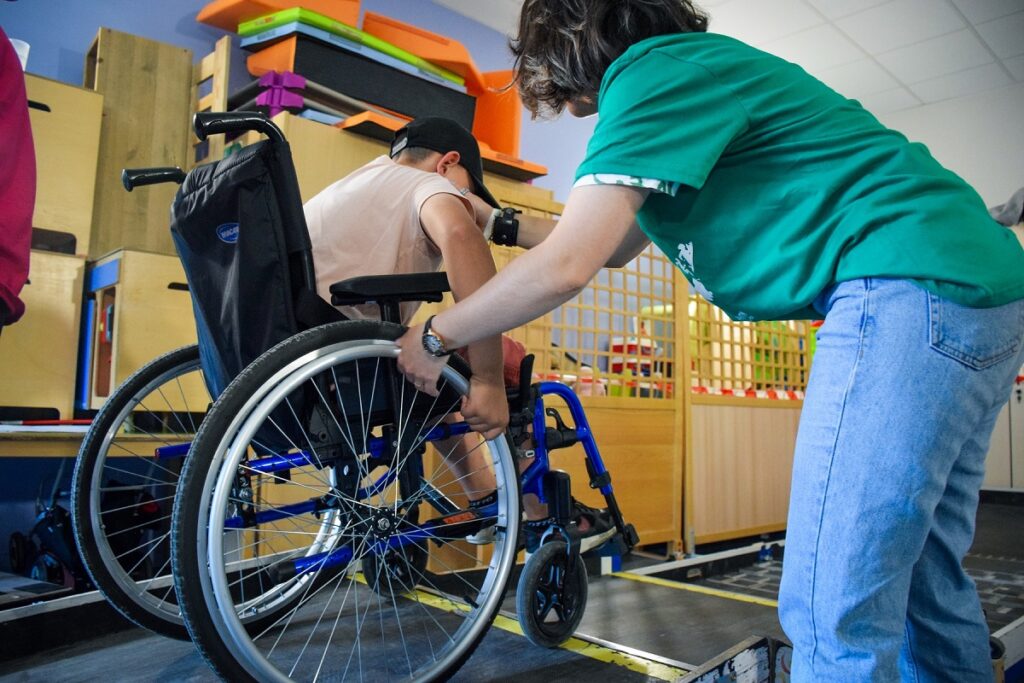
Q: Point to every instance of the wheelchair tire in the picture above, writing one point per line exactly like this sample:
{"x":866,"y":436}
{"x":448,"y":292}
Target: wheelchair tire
{"x":226,"y":499}
{"x":550,"y":601}
{"x":121,"y":496}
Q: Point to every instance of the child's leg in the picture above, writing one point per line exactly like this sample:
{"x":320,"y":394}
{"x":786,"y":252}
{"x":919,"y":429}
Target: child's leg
{"x":467,"y":461}
{"x":885,"y":479}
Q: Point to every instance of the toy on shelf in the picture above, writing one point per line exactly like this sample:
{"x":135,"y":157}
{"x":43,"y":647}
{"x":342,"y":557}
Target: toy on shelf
{"x":313,"y":61}
{"x":436,"y":49}
{"x":228,"y":14}
{"x":287,"y":91}
{"x":272,"y":26}
{"x":363,"y":74}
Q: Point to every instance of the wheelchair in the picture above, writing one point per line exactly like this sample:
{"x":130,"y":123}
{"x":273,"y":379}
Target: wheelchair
{"x":313,"y":533}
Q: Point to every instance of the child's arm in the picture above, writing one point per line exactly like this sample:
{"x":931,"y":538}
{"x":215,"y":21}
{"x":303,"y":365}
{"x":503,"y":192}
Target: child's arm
{"x":469,"y":265}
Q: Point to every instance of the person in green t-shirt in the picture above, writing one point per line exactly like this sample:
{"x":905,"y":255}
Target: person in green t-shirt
{"x":778,"y":198}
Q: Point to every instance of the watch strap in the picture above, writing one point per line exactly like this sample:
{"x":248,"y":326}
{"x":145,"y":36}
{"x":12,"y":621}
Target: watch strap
{"x":506,"y":228}
{"x":427,"y":332}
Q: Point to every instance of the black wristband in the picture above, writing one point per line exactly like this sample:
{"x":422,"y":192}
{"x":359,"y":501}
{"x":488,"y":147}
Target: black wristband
{"x":506,"y":228}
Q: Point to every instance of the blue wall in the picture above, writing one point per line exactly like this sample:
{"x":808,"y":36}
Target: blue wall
{"x":60,"y":31}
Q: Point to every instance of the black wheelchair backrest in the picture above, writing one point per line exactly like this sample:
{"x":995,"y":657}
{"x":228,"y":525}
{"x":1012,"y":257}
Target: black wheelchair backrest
{"x":241,"y":235}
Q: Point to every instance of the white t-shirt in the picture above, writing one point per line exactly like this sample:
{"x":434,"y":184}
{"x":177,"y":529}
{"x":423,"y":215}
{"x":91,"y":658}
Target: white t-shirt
{"x":368,"y":223}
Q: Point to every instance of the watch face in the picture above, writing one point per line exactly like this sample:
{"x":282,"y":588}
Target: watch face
{"x":433,"y":344}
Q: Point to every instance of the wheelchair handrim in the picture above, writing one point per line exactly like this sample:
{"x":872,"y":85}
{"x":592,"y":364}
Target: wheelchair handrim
{"x":145,"y":599}
{"x":227,"y":458}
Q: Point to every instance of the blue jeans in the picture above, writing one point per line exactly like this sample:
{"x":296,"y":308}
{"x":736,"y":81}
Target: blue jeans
{"x":903,"y":396}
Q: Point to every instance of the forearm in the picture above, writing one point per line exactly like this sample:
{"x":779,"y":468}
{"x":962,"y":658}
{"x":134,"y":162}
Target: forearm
{"x":533,"y":230}
{"x":472,"y":268}
{"x":527,"y":288}
{"x":598,"y":227}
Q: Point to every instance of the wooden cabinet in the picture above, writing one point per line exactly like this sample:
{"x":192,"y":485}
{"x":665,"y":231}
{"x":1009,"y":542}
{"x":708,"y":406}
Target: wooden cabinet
{"x":66,"y":132}
{"x":1004,"y":465}
{"x":139,"y":308}
{"x":147,"y":105}
{"x":38,"y":354}
{"x":322,"y":154}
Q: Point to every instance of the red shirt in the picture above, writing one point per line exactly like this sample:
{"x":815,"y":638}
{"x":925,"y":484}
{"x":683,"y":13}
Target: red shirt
{"x":17,"y":182}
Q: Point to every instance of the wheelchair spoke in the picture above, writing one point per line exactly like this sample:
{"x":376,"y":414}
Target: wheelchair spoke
{"x":184,"y":402}
{"x":139,"y":526}
{"x":148,"y":459}
{"x":174,"y":414}
{"x":122,"y":487}
{"x":331,"y":560}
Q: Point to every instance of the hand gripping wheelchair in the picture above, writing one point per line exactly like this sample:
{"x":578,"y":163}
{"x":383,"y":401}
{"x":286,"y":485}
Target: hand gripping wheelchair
{"x":313,"y":533}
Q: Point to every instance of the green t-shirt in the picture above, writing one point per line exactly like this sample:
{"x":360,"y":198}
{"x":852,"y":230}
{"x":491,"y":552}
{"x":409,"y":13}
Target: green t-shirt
{"x":787,"y":187}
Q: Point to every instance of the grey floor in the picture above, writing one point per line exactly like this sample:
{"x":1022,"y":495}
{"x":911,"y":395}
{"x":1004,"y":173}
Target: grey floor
{"x":668,"y":622}
{"x":135,"y":655}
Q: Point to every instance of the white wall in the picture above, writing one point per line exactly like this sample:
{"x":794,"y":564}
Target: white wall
{"x":980,"y":137}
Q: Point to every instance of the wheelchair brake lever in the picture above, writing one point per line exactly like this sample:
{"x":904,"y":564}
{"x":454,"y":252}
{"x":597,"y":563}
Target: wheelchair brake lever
{"x":559,"y":436}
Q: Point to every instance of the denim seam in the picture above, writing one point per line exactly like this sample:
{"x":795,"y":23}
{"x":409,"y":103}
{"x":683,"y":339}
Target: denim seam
{"x":911,"y":659}
{"x":962,"y":351}
{"x":864,"y":316}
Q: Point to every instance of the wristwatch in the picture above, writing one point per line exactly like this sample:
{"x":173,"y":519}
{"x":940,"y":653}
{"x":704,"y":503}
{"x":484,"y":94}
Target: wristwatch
{"x":433,"y":342}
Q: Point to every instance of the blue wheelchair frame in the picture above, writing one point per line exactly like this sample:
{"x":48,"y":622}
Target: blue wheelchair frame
{"x":452,"y":518}
{"x":550,"y":486}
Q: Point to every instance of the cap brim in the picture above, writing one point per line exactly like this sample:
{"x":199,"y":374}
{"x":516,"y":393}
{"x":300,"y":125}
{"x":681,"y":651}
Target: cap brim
{"x":481,"y":191}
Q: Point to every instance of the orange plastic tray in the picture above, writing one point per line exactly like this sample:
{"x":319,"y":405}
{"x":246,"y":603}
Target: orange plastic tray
{"x":445,"y":52}
{"x":228,"y":14}
{"x":279,"y":56}
{"x":499,"y":114}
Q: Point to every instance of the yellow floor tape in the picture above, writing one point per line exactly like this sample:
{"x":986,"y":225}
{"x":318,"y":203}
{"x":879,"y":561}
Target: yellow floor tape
{"x":662,"y":672}
{"x":693,"y":588}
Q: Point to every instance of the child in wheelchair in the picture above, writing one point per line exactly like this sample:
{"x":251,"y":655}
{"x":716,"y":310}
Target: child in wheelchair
{"x":305,"y":485}
{"x":426,"y":205}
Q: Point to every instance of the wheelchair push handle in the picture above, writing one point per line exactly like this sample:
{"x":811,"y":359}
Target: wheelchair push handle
{"x":137,"y":177}
{"x":213,"y":123}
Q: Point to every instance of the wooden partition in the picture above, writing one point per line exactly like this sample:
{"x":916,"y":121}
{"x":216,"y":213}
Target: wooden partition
{"x":747,"y":384}
{"x":615,"y":345}
{"x":742,"y":464}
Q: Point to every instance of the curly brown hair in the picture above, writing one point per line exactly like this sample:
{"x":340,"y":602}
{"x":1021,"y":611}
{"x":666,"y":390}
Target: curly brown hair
{"x":564,"y":47}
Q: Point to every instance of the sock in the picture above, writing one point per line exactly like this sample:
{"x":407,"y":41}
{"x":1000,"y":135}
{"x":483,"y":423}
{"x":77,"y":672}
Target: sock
{"x":489,"y":499}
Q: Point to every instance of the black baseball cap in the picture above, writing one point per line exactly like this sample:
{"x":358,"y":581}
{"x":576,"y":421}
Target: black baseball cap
{"x":444,"y":135}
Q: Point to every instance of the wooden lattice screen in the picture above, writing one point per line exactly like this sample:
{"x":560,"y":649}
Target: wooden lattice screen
{"x":744,"y":356}
{"x":615,"y":338}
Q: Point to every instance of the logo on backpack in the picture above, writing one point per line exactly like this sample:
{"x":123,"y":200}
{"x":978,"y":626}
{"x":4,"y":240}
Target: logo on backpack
{"x":228,"y":232}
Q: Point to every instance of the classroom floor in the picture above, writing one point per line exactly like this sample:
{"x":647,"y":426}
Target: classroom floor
{"x":641,"y":624}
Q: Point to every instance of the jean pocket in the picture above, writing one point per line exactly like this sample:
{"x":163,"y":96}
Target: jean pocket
{"x":977,"y":337}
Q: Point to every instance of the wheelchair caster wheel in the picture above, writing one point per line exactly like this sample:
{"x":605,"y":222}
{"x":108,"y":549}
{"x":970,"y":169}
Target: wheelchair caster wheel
{"x":396,"y":571}
{"x":551,"y":596}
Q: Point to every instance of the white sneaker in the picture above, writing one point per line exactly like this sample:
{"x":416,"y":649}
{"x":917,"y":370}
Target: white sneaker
{"x":483,"y":537}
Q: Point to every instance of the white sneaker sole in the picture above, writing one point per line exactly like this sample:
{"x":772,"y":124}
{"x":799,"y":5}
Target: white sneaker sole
{"x":482,"y":537}
{"x":591,"y":542}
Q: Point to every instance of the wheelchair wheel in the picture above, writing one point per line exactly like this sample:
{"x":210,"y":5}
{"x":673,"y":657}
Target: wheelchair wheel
{"x":550,"y":599}
{"x":122,"y":494}
{"x":311,"y":502}
{"x":395,"y":572}
{"x":20,"y":551}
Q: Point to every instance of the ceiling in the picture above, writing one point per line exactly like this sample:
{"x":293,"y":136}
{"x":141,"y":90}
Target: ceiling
{"x":889,"y":54}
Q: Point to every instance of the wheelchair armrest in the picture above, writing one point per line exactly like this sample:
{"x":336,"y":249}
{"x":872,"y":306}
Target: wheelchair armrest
{"x":395,"y":288}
